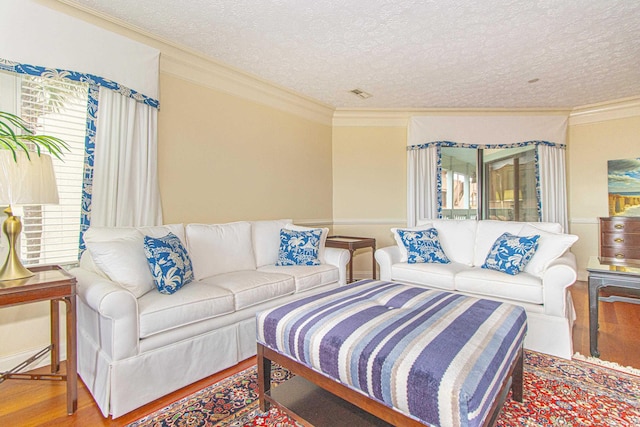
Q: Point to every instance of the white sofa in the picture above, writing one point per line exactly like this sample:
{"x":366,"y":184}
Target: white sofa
{"x":136,"y":344}
{"x":542,"y":288}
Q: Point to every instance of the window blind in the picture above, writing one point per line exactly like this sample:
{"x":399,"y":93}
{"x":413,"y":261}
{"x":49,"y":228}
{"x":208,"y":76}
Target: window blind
{"x":58,"y":108}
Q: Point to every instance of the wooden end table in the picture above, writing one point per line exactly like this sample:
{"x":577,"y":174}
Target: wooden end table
{"x":49,"y":283}
{"x":621,"y":280}
{"x":351,"y":244}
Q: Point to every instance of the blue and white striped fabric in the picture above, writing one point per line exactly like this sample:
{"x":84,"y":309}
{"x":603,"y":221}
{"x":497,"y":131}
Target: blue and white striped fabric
{"x":435,"y":356}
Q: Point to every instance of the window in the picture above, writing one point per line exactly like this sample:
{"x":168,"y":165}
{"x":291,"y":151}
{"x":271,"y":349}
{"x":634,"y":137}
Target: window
{"x":505,"y":191}
{"x":58,"y":108}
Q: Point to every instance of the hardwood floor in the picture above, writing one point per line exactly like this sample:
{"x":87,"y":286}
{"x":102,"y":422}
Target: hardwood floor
{"x":42,"y":403}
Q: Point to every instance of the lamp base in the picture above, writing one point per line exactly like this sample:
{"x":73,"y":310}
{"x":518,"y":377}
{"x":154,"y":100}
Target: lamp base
{"x":13,"y":268}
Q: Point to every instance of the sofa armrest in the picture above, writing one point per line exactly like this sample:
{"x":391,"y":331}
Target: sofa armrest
{"x":339,"y":258}
{"x":117,"y":313}
{"x":386,"y":257}
{"x":558,"y":276}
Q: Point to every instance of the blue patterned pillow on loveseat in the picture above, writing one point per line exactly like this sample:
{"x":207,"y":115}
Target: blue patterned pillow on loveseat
{"x":511,"y":253}
{"x":423,"y":246}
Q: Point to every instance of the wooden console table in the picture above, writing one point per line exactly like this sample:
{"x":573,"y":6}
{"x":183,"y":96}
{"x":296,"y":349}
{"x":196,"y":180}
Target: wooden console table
{"x":351,"y":244}
{"x":621,"y":280}
{"x":53,"y":284}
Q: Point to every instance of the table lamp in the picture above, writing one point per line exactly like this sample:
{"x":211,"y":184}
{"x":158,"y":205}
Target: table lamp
{"x":23,"y":181}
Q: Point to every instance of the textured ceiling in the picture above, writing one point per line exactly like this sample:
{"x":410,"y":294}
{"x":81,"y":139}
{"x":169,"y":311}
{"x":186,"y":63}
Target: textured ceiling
{"x":412,"y":54}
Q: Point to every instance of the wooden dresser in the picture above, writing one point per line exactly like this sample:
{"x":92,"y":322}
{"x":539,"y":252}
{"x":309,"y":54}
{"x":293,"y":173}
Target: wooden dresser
{"x":620,"y":240}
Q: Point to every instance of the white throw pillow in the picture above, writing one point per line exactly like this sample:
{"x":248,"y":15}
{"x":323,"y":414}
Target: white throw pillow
{"x":550,"y":247}
{"x":123,"y":261}
{"x":266,"y":240}
{"x":220,"y":248}
{"x":457,"y":237}
{"x":404,"y":255}
{"x":323,"y":238}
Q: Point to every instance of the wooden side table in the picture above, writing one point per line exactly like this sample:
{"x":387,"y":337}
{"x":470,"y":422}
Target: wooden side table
{"x":623,"y":280}
{"x":53,"y":284}
{"x":351,"y":244}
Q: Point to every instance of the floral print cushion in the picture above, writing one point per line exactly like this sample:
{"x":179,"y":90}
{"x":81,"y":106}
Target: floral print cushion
{"x":299,"y":247}
{"x":169,"y":262}
{"x":423,"y":246}
{"x":511,"y":253}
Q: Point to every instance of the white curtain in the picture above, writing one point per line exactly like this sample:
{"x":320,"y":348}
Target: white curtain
{"x":553,"y":185}
{"x":422,"y":190}
{"x":125,"y":180}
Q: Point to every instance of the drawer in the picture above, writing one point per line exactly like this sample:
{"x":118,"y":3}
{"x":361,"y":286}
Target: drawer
{"x":620,"y":224}
{"x":620,"y":254}
{"x":621,"y":239}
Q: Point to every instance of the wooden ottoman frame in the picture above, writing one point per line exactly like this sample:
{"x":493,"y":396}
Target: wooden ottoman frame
{"x":513,"y":380}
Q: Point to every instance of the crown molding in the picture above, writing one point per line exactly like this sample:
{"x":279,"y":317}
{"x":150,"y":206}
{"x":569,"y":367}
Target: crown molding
{"x":190,"y":65}
{"x":400,"y":117}
{"x":210,"y":74}
{"x":611,"y":110}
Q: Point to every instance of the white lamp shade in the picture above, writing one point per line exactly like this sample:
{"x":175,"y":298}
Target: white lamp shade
{"x":27,"y":182}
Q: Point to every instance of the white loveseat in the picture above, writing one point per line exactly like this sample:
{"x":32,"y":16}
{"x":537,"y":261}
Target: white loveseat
{"x":542,"y":288}
{"x":136,"y":344}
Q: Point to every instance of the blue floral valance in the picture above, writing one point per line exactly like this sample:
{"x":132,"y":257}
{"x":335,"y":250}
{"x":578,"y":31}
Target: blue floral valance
{"x":92,"y":80}
{"x":487,"y":146}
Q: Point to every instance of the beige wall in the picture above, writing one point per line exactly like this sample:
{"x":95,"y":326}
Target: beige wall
{"x":370,"y":182}
{"x":591,"y":145}
{"x":223,"y":158}
{"x":369,"y":174}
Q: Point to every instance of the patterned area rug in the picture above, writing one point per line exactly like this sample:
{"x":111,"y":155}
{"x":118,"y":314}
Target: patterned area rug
{"x":557,"y":392}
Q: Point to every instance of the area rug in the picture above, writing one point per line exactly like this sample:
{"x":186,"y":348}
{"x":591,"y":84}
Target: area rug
{"x":557,"y":392}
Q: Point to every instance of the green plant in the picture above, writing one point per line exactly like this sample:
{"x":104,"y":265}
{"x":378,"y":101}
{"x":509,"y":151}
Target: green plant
{"x":24,"y":138}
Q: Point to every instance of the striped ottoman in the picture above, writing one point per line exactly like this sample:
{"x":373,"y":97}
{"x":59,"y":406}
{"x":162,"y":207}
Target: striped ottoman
{"x":409,"y":355}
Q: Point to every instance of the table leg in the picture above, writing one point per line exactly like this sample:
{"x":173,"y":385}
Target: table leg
{"x":594,"y":290}
{"x":72,"y":363}
{"x":264,"y":378}
{"x":373,"y":262}
{"x":55,"y":337}
{"x":351,"y":251}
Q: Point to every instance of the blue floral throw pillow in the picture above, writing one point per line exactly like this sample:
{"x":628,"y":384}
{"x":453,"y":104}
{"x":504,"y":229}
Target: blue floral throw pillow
{"x":423,"y":246}
{"x":169,"y":262}
{"x":511,"y":253}
{"x":299,"y":247}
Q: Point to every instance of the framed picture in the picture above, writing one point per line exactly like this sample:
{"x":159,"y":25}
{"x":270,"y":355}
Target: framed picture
{"x":624,"y":187}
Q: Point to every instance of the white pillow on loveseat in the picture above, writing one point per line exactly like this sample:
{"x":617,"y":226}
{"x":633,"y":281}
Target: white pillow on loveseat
{"x":551,"y":246}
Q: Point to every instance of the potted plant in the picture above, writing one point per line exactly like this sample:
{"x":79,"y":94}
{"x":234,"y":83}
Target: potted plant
{"x":25,"y":139}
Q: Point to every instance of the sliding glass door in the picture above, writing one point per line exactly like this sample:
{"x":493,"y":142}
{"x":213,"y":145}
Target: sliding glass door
{"x":504,"y":190}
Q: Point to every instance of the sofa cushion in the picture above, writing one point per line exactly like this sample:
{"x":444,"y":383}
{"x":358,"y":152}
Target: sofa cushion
{"x":457,"y":238}
{"x":123,"y":261}
{"x":404,"y":255}
{"x":307,"y":276}
{"x":439,"y":276}
{"x":550,"y":247}
{"x":323,"y":238}
{"x":169,"y":262}
{"x":196,"y":302}
{"x":299,"y":247}
{"x":522,"y":287}
{"x":423,"y":246}
{"x":510,"y":253}
{"x":220,"y":248}
{"x":251,"y":287}
{"x":266,"y":240}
